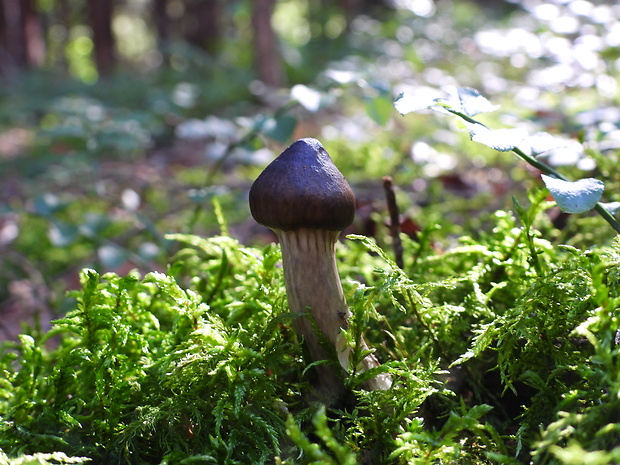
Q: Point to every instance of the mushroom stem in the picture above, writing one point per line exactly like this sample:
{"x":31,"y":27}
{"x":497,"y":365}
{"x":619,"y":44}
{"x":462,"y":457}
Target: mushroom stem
{"x":312,"y":285}
{"x":315,"y":293}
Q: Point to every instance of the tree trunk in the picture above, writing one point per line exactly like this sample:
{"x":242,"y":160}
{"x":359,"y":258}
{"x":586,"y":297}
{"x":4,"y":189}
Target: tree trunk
{"x":202,"y":24}
{"x":13,"y":52}
{"x":349,"y":9}
{"x":100,"y":12}
{"x":33,"y":33}
{"x":63,"y":13}
{"x":266,"y":51}
{"x":160,"y":18}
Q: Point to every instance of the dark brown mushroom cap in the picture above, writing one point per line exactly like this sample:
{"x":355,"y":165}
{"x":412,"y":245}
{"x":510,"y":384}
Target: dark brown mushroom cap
{"x":302,"y":188}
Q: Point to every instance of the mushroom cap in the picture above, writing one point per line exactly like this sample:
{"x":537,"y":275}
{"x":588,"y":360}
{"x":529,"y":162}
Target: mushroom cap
{"x":302,"y":188}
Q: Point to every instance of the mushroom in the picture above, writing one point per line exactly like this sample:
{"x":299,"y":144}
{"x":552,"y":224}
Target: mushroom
{"x":307,"y":202}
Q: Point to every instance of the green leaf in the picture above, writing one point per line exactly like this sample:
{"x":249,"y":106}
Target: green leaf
{"x":469,"y":101}
{"x":279,"y":128}
{"x":62,"y":234}
{"x":379,"y":109}
{"x":47,"y":204}
{"x":575,"y":197}
{"x":485,"y":335}
{"x":502,"y":140}
{"x":112,"y":256}
{"x":94,"y":224}
{"x":421,"y":99}
{"x":461,"y":100}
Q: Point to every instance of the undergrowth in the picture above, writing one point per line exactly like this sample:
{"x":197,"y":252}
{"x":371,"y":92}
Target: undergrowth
{"x":502,"y":348}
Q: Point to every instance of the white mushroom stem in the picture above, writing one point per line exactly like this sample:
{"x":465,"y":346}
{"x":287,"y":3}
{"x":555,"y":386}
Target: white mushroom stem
{"x":313,"y":286}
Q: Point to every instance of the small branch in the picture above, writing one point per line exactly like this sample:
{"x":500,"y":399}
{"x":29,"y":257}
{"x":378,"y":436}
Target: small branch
{"x":390,"y":197}
{"x":540,"y":166}
{"x":544,"y":168}
{"x":613,"y":222}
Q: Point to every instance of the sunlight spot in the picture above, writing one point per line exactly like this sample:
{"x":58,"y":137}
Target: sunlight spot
{"x":366,"y":25}
{"x":560,"y":48}
{"x":335,"y":26}
{"x":612,"y":38}
{"x":257,"y":87}
{"x":563,"y":156}
{"x":581,"y":7}
{"x":329,"y":132}
{"x":94,"y":112}
{"x":289,"y":19}
{"x":393,"y":48}
{"x":424,"y":8}
{"x":590,"y":41}
{"x":57,"y":33}
{"x":527,"y":95}
{"x":433,"y":162}
{"x":552,"y":76}
{"x":507,"y":43}
{"x":602,"y":14}
{"x":212,"y":126}
{"x":565,"y":25}
{"x":83,"y":45}
{"x":607,"y":86}
{"x":599,"y":115}
{"x":421,"y":152}
{"x":586,"y":58}
{"x":586,"y":164}
{"x":585,"y":80}
{"x":134,"y":40}
{"x":546,"y":12}
{"x":309,"y":98}
{"x":9,"y":231}
{"x":148,"y":250}
{"x":495,"y":175}
{"x":404,"y":34}
{"x":185,"y":94}
{"x":518,"y":60}
{"x":341,"y":76}
{"x":131,"y":199}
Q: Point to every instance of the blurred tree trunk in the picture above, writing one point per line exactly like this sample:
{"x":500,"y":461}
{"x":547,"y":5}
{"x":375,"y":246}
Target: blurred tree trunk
{"x":33,"y":32}
{"x":63,"y":12}
{"x":100,"y":18}
{"x":202,"y":24}
{"x":351,"y":9}
{"x":160,"y":17}
{"x":21,"y":38}
{"x":266,"y":50}
{"x":13,"y":52}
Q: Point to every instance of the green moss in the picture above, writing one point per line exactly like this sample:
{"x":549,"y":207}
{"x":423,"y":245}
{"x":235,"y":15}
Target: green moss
{"x":502,"y":350}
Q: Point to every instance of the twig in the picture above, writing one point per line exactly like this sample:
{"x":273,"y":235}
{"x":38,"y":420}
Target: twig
{"x":390,"y":198}
{"x":545,"y":169}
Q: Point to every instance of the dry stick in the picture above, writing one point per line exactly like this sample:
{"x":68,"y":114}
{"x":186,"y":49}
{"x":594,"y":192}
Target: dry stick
{"x":390,"y":197}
